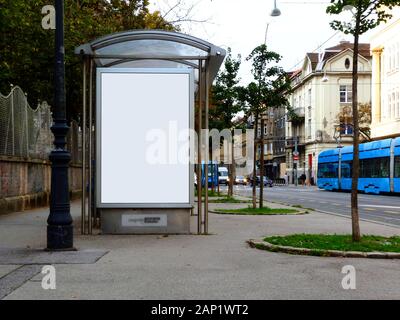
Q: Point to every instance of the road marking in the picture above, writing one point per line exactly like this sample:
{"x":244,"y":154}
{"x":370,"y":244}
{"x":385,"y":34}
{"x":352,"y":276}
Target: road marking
{"x":378,"y":206}
{"x":336,"y":204}
{"x":361,"y":218}
{"x":370,"y":209}
{"x":396,"y":212}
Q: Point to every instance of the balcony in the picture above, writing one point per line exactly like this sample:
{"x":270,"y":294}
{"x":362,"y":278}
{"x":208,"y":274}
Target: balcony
{"x":291,"y":141}
{"x":297,"y":115}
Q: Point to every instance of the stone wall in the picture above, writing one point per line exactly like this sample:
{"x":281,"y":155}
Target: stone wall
{"x":25,"y":183}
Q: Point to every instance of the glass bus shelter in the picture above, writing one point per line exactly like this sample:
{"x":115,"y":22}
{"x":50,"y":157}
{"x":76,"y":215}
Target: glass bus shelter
{"x":133,"y":82}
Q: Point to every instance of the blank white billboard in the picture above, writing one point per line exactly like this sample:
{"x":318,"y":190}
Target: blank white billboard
{"x":144,"y":118}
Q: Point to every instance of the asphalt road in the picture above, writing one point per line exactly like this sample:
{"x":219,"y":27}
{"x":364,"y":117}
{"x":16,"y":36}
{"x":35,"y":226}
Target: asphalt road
{"x":378,"y":208}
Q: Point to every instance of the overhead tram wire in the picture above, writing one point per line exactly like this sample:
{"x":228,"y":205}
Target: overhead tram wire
{"x":305,"y":2}
{"x":320,"y":46}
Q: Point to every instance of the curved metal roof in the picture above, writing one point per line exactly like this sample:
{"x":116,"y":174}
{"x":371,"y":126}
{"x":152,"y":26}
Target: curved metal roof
{"x":158,"y":46}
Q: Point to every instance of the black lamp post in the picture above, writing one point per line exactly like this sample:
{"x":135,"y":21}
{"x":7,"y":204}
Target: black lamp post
{"x":59,"y":222}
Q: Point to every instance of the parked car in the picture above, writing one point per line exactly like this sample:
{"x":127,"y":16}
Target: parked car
{"x":241,"y":180}
{"x":266,"y":181}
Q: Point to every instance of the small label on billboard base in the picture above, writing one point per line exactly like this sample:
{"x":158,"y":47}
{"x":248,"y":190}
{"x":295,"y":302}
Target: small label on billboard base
{"x":144,"y":220}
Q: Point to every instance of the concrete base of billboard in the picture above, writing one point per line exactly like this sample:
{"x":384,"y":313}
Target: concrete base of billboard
{"x":145,"y":221}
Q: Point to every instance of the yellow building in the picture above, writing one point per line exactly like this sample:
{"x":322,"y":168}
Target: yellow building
{"x":385,"y":47}
{"x":322,"y":91}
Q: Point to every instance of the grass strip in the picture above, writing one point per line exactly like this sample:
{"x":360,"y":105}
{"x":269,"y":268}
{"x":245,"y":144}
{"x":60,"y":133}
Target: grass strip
{"x":368,"y":243}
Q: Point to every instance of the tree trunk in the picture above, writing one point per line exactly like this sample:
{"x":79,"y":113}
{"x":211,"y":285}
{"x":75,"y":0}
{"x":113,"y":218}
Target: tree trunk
{"x":255,"y":163}
{"x":212,"y":169}
{"x":262,"y":165}
{"x":230,"y":184}
{"x":356,"y":164}
{"x":231,"y":169}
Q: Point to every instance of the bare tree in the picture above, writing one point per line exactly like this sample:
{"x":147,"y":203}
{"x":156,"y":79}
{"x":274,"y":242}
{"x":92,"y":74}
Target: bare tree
{"x":179,"y":13}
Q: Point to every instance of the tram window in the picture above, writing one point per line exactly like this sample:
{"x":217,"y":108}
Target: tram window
{"x":328,"y":170}
{"x":374,"y":168}
{"x":397,"y":167}
{"x":346,"y":168}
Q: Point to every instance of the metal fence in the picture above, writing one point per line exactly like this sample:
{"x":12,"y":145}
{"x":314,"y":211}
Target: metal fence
{"x":25,"y":132}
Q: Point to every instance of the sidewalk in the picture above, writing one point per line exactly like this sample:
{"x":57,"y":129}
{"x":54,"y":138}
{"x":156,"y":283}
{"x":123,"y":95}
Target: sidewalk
{"x":218,"y":266}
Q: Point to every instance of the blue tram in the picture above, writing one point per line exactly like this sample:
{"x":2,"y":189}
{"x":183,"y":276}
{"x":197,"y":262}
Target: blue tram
{"x":212,"y":173}
{"x":379,"y":167}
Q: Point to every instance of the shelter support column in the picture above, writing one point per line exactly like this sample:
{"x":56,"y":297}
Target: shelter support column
{"x":91,"y":203}
{"x":83,"y":205}
{"x":199,"y":155}
{"x":207,"y":149}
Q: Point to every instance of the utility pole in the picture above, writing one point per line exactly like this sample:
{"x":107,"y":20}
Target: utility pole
{"x":59,"y":222}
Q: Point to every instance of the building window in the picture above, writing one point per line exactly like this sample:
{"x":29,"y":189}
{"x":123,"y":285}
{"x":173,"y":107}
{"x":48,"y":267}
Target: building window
{"x":347,"y":63}
{"x":309,"y":129}
{"x":265,"y":130}
{"x":309,"y":97}
{"x":346,"y":129}
{"x":345,"y":94}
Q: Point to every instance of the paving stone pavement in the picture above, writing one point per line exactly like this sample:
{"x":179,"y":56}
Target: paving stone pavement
{"x":218,"y":266}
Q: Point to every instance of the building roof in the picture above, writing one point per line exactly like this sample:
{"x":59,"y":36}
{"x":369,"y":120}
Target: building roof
{"x":313,"y":56}
{"x":364,"y":50}
{"x":293,"y":74}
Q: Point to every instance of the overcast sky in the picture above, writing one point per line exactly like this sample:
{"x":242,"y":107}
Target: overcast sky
{"x":241,"y":24}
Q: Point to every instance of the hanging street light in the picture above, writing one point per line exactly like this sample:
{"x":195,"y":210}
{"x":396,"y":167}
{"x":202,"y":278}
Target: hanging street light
{"x":275,"y":12}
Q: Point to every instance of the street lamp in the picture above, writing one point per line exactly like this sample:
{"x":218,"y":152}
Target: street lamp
{"x":275,"y":12}
{"x":266,"y":33}
{"x":325,"y":77}
{"x":59,"y":222}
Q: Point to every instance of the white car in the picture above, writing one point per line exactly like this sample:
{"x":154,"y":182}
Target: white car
{"x":223,"y":177}
{"x":241,"y":180}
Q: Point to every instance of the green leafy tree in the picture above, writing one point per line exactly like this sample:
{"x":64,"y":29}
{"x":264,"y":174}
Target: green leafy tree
{"x":27,"y":50}
{"x":269,"y":90}
{"x":366,"y":16}
{"x":225,"y":105}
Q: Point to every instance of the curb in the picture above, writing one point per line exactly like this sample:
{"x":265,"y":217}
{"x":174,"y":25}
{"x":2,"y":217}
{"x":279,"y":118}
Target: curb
{"x":342,"y":215}
{"x":263,"y":245}
{"x":300,"y":213}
